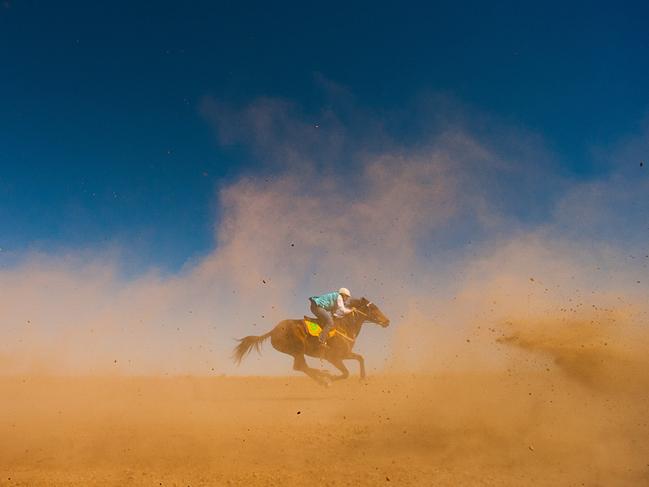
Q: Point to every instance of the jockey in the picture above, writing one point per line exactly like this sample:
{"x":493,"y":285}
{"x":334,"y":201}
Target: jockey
{"x":333,"y":303}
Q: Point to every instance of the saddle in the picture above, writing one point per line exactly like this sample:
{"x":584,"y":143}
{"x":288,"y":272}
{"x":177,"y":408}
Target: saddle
{"x":313,"y":327}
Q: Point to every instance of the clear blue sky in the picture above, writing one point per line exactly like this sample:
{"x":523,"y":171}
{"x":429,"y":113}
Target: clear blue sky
{"x":102,"y":141}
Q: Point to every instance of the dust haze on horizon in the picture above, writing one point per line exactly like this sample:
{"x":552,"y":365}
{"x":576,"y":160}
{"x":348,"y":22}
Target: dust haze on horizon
{"x":475,"y":244}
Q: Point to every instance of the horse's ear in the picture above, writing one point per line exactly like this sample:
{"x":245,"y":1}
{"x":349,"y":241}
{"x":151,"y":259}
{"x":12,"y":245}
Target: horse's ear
{"x":364,"y":300}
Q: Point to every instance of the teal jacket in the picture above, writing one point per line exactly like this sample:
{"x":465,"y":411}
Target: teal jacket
{"x":326,"y":301}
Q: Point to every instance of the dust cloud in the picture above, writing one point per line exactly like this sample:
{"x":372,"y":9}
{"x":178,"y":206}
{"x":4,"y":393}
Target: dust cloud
{"x":516,"y":354}
{"x":471,"y":428}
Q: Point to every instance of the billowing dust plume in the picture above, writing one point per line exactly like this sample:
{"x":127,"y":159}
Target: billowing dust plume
{"x":464,"y":238}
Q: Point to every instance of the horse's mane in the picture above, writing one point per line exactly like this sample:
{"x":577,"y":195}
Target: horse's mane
{"x":358,"y":302}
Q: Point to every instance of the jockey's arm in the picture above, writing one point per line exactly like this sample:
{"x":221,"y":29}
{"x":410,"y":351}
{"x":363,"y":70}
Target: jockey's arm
{"x":341,"y":308}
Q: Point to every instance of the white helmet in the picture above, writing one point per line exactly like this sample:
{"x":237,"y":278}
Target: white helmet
{"x":345,"y":292}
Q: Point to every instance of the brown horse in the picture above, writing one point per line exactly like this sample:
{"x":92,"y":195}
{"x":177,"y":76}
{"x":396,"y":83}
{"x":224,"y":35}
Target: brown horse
{"x":290,"y":337}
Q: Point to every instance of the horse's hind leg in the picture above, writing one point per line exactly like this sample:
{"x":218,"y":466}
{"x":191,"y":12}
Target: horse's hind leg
{"x":299,"y":363}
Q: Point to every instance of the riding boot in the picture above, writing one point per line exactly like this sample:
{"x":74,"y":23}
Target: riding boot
{"x":324,"y":334}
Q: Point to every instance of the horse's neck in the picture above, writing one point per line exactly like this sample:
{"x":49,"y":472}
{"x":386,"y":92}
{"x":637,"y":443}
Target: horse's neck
{"x":352,"y":325}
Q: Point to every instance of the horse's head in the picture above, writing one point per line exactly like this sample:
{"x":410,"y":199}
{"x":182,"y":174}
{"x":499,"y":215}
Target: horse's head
{"x":371,"y":311}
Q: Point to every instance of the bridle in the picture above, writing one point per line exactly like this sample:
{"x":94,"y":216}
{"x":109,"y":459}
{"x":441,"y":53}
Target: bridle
{"x":368,"y":318}
{"x":367,"y":305}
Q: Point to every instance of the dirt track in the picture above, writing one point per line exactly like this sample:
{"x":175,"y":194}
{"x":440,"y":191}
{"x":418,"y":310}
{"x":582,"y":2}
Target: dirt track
{"x":489,"y":429}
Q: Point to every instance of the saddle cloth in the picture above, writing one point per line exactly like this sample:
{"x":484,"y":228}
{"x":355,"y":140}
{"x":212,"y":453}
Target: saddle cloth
{"x":313,"y":328}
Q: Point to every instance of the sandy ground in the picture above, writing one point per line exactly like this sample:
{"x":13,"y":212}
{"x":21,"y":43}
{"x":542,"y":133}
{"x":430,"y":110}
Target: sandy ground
{"x":532,"y":428}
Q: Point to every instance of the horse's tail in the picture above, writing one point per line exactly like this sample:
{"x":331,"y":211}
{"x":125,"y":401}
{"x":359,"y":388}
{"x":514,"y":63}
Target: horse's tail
{"x":246,"y":344}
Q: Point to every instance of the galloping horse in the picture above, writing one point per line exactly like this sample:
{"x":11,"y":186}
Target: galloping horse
{"x":291,"y":337}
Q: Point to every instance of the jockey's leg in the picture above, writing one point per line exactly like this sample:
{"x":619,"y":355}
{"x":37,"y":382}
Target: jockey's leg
{"x":324,"y":334}
{"x":314,"y":308}
{"x":326,"y":322}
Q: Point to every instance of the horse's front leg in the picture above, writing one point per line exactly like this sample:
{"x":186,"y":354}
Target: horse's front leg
{"x":338,"y":363}
{"x":361,"y":362}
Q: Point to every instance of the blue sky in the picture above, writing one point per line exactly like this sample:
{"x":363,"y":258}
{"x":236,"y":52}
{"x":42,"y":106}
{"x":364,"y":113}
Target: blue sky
{"x":104,"y":143}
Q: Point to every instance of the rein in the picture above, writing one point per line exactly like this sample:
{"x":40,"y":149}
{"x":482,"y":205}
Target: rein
{"x":344,"y":335}
{"x":369,"y":319}
{"x":360,"y":312}
{"x":338,"y":332}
